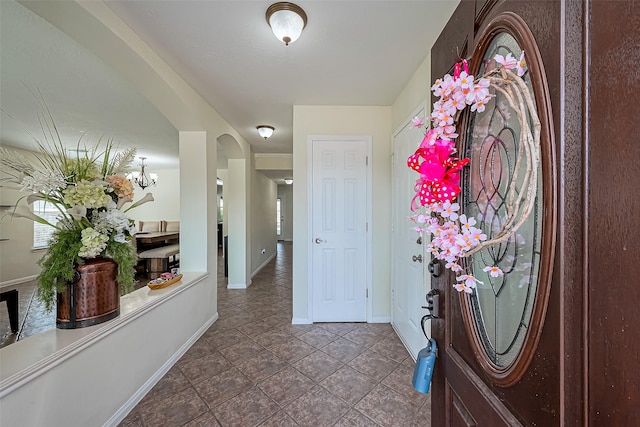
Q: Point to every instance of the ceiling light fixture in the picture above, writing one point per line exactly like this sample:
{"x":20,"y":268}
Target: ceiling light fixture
{"x":287,"y":20}
{"x":141,"y":179}
{"x":265,"y":131}
{"x":288,"y":181}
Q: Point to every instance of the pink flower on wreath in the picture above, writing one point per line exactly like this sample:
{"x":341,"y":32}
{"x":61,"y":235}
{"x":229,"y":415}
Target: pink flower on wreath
{"x":479,"y":106}
{"x":453,"y":266}
{"x":449,"y":210}
{"x":493,"y":271}
{"x":417,"y":122}
{"x":462,"y":287}
{"x":521,"y":66}
{"x":468,"y":280}
{"x":508,"y":62}
{"x":477,"y":235}
{"x":465,"y":242}
{"x":437,"y":88}
{"x":458,"y":101}
{"x":465,"y":80}
{"x":466,"y":223}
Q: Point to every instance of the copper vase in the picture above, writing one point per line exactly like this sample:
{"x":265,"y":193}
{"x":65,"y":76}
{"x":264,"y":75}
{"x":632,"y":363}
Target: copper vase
{"x":92,"y":298}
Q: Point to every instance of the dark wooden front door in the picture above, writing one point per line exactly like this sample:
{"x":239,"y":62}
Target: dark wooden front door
{"x":564,"y":351}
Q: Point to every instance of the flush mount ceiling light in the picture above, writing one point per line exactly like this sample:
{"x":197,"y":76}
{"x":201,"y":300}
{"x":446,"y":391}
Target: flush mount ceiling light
{"x":265,"y":131}
{"x":287,"y":20}
{"x":288,"y":181}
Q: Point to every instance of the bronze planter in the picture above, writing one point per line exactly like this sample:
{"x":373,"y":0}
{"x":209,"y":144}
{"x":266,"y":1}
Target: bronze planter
{"x":92,"y":298}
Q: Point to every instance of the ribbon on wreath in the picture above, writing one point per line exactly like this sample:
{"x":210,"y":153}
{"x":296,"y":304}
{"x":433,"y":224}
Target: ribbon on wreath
{"x":439,"y":172}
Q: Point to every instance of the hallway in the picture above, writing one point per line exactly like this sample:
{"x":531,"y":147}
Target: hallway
{"x":253,"y":368}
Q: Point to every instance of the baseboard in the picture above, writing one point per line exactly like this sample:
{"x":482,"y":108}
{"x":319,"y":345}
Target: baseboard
{"x":268,"y":260}
{"x":121,"y":414}
{"x":238,"y":285}
{"x":18,"y":281}
{"x":402,"y":340}
{"x":299,"y":321}
{"x":380,"y":320}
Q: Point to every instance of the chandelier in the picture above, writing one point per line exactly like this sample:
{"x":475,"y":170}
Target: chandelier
{"x":141,"y":179}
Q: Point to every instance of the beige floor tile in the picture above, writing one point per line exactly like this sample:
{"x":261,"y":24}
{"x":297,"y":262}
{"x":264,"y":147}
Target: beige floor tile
{"x":253,"y":367}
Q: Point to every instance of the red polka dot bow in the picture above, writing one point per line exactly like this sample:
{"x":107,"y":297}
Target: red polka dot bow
{"x":439,"y":180}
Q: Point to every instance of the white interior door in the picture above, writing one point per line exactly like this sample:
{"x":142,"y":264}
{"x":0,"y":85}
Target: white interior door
{"x":339,"y":230}
{"x":409,"y":285}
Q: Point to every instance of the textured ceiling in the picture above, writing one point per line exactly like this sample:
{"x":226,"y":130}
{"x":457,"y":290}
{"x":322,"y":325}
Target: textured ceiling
{"x":351,"y":53}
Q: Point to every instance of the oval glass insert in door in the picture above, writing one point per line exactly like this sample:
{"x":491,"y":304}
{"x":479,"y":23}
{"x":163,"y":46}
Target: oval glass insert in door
{"x":501,"y":306}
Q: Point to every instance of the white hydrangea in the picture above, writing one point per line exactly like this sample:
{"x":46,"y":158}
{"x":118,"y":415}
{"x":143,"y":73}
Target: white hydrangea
{"x":93,"y":243}
{"x":112,"y":220}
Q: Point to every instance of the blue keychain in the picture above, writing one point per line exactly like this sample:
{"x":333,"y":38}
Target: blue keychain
{"x":425,"y":362}
{"x":424,"y":367}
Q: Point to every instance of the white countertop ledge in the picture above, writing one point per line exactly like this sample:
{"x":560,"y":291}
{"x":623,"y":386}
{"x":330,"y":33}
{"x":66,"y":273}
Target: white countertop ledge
{"x":26,"y":359}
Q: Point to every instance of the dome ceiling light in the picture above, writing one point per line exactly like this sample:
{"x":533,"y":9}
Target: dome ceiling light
{"x":287,"y":20}
{"x":265,"y":131}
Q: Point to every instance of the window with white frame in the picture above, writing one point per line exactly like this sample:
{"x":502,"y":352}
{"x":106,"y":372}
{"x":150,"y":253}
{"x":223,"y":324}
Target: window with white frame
{"x":42,"y":232}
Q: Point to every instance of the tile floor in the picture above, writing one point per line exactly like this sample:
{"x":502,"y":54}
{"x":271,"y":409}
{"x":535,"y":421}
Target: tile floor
{"x":32,"y":318}
{"x":253,"y":368}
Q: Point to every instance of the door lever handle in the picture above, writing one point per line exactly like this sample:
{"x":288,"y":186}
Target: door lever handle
{"x":417,"y":258}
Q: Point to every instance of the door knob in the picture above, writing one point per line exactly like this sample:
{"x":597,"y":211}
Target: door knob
{"x":417,"y":258}
{"x":318,"y":240}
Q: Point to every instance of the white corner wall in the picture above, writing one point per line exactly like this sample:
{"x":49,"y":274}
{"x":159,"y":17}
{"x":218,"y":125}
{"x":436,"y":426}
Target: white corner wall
{"x":343,"y":121}
{"x":166,"y":198}
{"x":415,"y":94}
{"x":263,"y":220}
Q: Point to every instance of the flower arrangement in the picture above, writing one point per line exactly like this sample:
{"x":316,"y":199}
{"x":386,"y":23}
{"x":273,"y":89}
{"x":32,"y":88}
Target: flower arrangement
{"x":454,"y":235}
{"x":90,"y":191}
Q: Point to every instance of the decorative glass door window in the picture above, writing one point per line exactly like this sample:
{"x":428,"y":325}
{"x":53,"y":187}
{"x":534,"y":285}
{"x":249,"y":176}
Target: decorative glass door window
{"x":501,"y":306}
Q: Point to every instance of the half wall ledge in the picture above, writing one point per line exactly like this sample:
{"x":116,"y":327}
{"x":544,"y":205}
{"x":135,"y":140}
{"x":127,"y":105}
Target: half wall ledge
{"x":25,"y":360}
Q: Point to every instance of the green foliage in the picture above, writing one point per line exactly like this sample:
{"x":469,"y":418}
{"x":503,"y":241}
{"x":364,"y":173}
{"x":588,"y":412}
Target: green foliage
{"x":125,"y":255}
{"x":58,"y":264}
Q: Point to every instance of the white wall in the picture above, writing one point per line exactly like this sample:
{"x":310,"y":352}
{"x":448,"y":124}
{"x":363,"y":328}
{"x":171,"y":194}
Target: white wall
{"x":285,"y":193}
{"x":263,"y":220}
{"x":340,"y":120}
{"x":166,"y":196}
{"x":94,"y":376}
{"x":415,"y":94}
{"x":17,"y":258}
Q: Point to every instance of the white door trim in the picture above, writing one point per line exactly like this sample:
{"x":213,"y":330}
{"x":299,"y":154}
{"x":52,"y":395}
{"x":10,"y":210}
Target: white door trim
{"x":367,"y":140}
{"x":397,"y":220}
